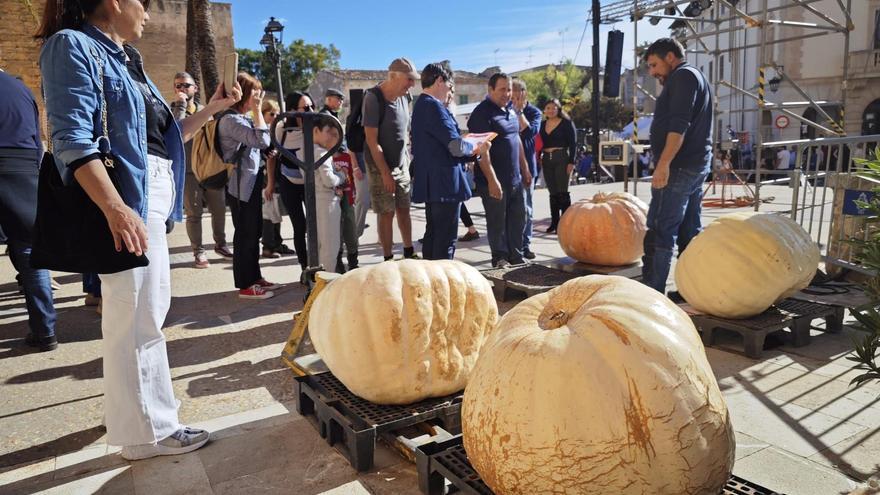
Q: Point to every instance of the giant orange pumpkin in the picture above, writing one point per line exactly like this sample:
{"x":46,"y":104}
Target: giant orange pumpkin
{"x":606,"y":230}
{"x":600,"y":386}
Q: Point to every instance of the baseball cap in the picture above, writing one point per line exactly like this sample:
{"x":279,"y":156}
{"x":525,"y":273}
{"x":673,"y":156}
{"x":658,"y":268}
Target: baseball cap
{"x":334,"y":92}
{"x":403,"y":65}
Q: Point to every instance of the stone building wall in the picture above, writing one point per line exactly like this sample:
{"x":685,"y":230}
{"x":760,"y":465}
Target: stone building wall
{"x":163,"y":45}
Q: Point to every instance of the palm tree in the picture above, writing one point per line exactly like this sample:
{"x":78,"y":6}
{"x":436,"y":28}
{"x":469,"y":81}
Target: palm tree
{"x":207,"y":53}
{"x":193,"y":62}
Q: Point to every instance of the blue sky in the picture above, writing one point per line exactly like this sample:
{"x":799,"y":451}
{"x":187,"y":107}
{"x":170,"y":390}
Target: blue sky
{"x":371,"y":34}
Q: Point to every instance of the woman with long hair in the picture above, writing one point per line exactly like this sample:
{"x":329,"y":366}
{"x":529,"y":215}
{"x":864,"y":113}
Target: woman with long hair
{"x":91,"y":78}
{"x":242,"y":138}
{"x":557,"y":158}
{"x":291,"y":183}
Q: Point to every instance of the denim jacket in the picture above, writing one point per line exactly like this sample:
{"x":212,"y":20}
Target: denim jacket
{"x":69,"y":66}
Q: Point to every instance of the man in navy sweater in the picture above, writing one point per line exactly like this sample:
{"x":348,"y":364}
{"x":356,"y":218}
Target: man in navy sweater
{"x":439,"y":154}
{"x":681,"y":141}
{"x":501,"y":178}
{"x":20,"y":151}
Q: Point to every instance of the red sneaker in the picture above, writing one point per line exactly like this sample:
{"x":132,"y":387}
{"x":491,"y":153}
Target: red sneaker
{"x":255,"y":292}
{"x":266,"y":285}
{"x":223,"y":251}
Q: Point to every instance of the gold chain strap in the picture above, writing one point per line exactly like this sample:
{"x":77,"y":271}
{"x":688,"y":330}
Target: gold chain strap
{"x":107,"y":159}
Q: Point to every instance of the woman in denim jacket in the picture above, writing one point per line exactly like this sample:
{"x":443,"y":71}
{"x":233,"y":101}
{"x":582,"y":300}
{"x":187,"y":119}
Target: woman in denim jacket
{"x":85,"y":58}
{"x":241,"y":139}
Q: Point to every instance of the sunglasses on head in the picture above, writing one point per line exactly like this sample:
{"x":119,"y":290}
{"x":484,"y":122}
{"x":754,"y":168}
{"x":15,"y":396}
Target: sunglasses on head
{"x":183,"y":85}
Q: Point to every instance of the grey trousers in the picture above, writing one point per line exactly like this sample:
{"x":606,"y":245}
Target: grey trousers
{"x":194,"y":199}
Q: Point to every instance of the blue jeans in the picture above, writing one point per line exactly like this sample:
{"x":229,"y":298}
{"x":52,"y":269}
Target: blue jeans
{"x":18,"y":209}
{"x":673,"y":217}
{"x":505,"y":221}
{"x":91,"y":284}
{"x":37,"y":290}
{"x":530,"y":210}
{"x":441,"y":230}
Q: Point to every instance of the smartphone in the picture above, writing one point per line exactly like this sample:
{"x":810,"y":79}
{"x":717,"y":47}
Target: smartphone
{"x":230,"y":72}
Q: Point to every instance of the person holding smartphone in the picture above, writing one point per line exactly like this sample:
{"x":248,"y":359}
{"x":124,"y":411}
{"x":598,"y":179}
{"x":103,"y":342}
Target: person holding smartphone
{"x":238,"y":130}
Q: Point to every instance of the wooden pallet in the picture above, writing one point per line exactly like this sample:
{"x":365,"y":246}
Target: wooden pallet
{"x":794,"y":315}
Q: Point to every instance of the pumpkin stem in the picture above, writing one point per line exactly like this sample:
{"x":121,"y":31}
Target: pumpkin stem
{"x":554,"y":321}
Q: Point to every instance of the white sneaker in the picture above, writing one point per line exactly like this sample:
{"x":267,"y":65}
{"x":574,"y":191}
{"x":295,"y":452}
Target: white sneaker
{"x":184,"y":440}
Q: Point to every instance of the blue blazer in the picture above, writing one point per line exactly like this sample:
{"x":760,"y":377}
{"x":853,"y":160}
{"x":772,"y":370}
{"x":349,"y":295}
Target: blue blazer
{"x":439,"y":176}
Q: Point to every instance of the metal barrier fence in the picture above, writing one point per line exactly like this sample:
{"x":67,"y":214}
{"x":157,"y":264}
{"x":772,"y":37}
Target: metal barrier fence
{"x":824,"y":186}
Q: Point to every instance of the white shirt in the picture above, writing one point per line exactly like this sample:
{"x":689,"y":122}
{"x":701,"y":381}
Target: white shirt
{"x":783,"y":159}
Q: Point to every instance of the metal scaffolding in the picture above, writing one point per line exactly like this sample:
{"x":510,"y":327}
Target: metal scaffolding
{"x":714,"y":24}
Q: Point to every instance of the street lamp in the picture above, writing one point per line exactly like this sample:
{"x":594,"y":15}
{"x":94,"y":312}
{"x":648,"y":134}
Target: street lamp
{"x":272,"y":46}
{"x":774,"y":83}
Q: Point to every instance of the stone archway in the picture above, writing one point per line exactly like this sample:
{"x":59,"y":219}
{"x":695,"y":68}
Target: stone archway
{"x":871,"y":118}
{"x":808,"y":131}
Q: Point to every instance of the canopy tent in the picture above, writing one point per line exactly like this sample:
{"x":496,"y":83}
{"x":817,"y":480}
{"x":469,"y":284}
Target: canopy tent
{"x":644,"y":129}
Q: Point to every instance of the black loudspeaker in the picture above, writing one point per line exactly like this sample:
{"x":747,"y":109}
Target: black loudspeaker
{"x":613,"y":56}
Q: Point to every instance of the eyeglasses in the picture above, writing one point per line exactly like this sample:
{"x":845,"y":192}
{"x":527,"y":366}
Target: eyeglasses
{"x":273,"y":114}
{"x":183,"y":85}
{"x":303,"y":109}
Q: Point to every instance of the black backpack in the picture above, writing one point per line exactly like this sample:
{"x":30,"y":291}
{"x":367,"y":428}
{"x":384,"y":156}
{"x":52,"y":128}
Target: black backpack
{"x":355,"y":137}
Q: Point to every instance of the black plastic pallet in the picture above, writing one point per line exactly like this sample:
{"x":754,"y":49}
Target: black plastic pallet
{"x":439,"y":462}
{"x":534,"y":278}
{"x":793,"y":314}
{"x":353,"y":424}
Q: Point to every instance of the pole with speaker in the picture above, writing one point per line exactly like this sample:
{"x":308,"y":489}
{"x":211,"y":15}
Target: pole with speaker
{"x":613,"y":61}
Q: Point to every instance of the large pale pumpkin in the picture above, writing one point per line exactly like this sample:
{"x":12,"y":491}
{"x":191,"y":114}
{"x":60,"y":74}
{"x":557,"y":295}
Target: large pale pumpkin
{"x":599,"y":386}
{"x":400,"y":332}
{"x":744,"y":262}
{"x":606,"y":230}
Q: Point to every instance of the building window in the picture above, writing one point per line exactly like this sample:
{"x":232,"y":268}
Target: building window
{"x":711,"y":74}
{"x":877,"y":30}
{"x":721,"y":67}
{"x":462,"y":99}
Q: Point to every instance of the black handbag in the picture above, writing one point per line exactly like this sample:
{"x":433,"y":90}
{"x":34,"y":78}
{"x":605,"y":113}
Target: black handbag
{"x":71,"y":233}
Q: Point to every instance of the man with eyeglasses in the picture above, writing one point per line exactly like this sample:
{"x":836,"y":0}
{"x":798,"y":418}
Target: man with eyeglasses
{"x":194,"y":195}
{"x":439,"y":155}
{"x":386,"y":128}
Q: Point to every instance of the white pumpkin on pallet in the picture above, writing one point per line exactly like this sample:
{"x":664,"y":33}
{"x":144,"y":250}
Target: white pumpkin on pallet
{"x":400,"y":332}
{"x":744,"y":262}
{"x":600,"y":386}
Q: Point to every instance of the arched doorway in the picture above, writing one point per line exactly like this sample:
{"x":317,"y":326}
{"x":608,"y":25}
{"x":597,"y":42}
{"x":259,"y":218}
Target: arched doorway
{"x":871,"y":119}
{"x":808,"y":131}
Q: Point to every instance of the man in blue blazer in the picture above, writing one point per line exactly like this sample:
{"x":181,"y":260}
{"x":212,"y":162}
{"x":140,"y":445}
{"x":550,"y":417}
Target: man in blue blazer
{"x":439,"y":155}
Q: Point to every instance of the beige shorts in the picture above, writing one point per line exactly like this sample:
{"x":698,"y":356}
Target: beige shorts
{"x":381,"y":200}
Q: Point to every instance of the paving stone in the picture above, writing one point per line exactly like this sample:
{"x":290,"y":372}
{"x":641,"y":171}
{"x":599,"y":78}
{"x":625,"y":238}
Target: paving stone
{"x":786,"y":473}
{"x":857,"y":456}
{"x":90,"y":459}
{"x":789,"y":427}
{"x":110,"y":481}
{"x":275,"y":458}
{"x":170,"y":475}
{"x":353,"y":488}
{"x":747,"y":445}
{"x":31,"y":473}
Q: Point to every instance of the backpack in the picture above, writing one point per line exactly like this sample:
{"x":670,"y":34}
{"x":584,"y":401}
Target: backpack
{"x":355,"y":137}
{"x":208,"y":166}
